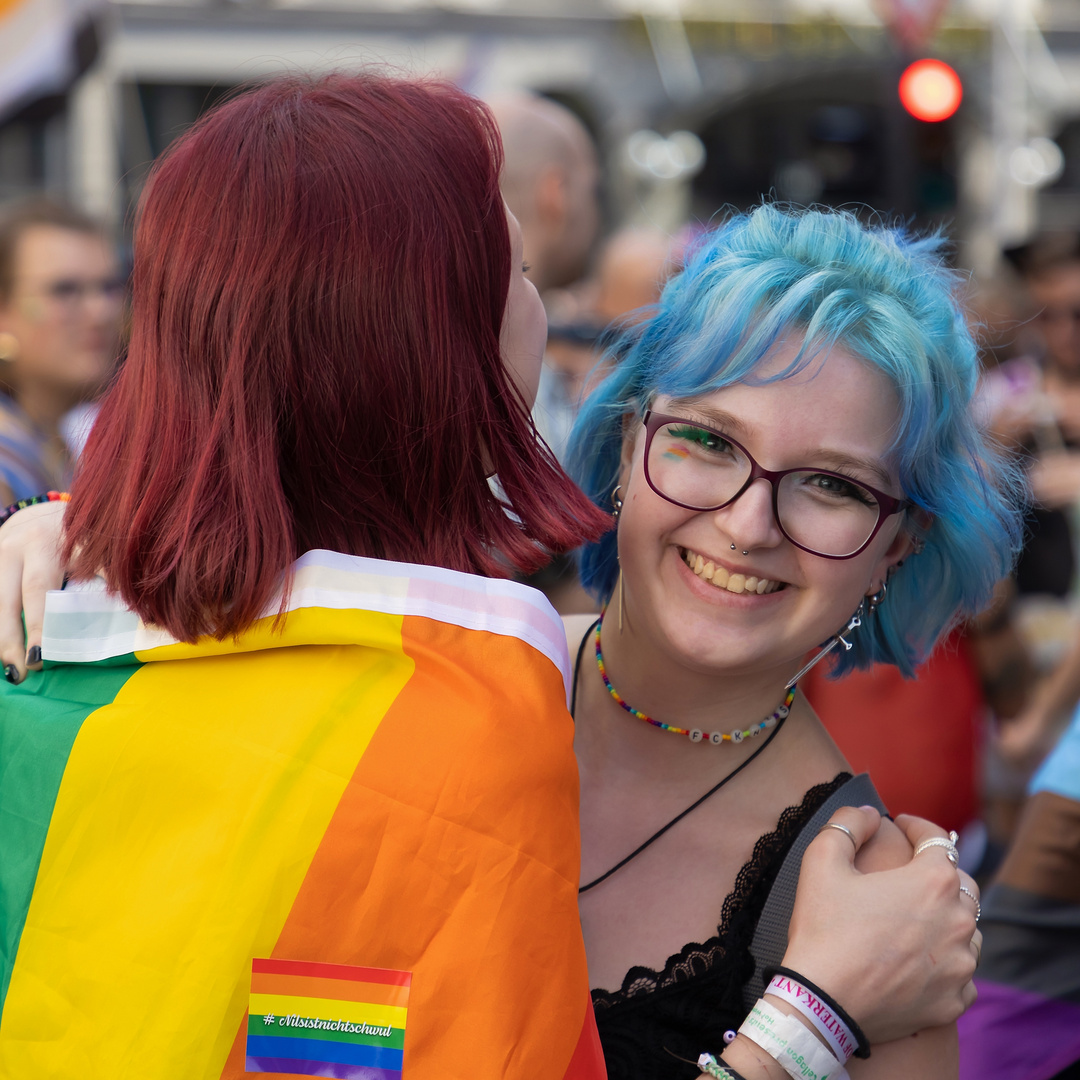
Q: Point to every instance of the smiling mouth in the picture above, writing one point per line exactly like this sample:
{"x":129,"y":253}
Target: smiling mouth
{"x":721,"y":578}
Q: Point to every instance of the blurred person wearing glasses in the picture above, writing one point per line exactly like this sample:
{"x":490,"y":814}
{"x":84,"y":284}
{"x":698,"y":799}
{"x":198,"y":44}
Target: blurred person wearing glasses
{"x":61,"y":299}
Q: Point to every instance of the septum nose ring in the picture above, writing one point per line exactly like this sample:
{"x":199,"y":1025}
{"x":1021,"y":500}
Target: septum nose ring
{"x":733,"y":548}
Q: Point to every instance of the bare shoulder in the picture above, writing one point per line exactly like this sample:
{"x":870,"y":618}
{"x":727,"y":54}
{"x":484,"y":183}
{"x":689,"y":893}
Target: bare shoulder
{"x":576,"y":627}
{"x":887,"y":849}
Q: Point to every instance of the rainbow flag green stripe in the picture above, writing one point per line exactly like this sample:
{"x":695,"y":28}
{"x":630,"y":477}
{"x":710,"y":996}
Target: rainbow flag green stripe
{"x":352,"y":789}
{"x":33,"y":758}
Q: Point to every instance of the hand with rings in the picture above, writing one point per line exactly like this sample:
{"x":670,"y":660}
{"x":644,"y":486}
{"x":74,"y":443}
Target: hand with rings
{"x":909,"y":946}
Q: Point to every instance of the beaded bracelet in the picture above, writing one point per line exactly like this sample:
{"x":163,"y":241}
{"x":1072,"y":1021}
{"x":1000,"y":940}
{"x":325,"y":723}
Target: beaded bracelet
{"x":34,"y":500}
{"x":709,"y":1065}
{"x":841,"y":1014}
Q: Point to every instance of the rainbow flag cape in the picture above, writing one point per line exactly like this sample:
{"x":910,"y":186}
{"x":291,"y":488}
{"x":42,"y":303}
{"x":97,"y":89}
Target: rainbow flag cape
{"x":344,"y":847}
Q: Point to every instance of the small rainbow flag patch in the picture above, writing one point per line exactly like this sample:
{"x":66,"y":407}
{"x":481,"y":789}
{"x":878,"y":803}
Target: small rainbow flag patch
{"x":327,"y":1020}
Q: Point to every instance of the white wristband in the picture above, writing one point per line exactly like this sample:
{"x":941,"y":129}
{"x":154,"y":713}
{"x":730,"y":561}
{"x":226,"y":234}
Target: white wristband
{"x":833,"y":1030}
{"x":792,"y":1043}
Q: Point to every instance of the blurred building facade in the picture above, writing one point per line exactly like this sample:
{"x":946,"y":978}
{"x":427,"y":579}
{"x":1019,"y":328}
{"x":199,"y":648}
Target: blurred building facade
{"x":696,"y":104}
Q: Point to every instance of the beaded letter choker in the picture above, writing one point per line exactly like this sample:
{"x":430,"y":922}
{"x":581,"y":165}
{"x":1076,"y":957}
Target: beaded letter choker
{"x":22,"y":504}
{"x":695,"y":735}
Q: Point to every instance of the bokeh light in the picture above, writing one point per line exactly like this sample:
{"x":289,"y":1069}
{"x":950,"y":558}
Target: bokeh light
{"x":930,"y":90}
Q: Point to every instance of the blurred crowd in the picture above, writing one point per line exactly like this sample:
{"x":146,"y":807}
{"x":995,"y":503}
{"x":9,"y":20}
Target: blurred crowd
{"x":960,"y":744}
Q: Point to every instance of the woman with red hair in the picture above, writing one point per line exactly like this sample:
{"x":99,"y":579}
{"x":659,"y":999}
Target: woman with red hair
{"x":296,"y":793}
{"x":300,"y":824}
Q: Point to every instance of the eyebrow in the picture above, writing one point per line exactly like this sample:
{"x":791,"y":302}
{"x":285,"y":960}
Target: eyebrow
{"x":713,"y":417}
{"x":839,"y":462}
{"x":834,"y":460}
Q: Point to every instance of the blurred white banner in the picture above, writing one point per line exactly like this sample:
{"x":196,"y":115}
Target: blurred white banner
{"x":38,"y":54}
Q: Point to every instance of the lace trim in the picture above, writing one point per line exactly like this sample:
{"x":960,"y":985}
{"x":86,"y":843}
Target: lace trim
{"x":755,"y":877}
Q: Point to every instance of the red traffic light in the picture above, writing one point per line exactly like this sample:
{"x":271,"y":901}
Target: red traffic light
{"x":930,"y":90}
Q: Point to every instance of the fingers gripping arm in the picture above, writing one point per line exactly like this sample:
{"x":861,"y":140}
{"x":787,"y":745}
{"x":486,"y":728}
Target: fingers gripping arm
{"x":30,"y":543}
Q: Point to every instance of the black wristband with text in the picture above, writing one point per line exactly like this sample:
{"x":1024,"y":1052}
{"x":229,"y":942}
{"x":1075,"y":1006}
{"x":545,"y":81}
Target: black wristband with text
{"x":860,"y":1037}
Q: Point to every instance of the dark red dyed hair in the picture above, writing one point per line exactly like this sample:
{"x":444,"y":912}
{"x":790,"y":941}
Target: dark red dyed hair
{"x":321,"y":269}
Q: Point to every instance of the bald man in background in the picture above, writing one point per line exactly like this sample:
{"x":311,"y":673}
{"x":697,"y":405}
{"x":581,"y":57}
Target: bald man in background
{"x":550,"y":181}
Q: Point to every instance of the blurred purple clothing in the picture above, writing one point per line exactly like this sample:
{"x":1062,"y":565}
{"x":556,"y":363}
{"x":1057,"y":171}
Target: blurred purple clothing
{"x":1012,"y":1034}
{"x":1026,"y":1022}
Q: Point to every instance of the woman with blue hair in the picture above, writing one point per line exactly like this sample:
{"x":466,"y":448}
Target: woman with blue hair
{"x":788,"y":450}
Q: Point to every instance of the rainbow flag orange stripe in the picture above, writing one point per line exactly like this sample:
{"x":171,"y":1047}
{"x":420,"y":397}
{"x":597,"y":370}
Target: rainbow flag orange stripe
{"x":385,"y":783}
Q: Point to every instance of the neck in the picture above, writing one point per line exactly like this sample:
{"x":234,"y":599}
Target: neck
{"x":670,"y":694}
{"x":43,"y":406}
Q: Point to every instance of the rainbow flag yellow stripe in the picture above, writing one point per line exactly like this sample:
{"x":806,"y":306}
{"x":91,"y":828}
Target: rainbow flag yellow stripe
{"x":386,"y":781}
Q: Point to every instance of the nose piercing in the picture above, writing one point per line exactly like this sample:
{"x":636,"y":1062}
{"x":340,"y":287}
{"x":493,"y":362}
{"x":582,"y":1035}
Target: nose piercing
{"x":745,"y":552}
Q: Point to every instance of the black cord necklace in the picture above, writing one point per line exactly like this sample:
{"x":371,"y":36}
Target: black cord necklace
{"x":693,"y":806}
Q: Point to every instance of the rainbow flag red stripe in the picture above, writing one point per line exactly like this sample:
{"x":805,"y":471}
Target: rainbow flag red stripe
{"x":384,"y":783}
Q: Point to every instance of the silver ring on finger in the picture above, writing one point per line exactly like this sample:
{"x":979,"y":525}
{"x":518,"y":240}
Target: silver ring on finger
{"x":978,"y":907}
{"x":844,"y":829}
{"x":942,"y":842}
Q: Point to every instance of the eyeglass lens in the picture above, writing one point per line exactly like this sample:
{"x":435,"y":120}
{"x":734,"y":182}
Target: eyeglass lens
{"x":823,"y":512}
{"x":72,"y":290}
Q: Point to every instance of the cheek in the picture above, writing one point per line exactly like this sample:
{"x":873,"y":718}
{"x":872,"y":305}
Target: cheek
{"x":646,"y":520}
{"x":523,"y":337}
{"x":840,"y":586}
{"x":538,"y":324}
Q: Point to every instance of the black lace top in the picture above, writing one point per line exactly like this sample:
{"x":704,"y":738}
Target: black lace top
{"x":687,"y":1007}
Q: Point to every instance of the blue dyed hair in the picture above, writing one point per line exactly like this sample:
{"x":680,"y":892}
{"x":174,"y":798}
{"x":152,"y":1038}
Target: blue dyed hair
{"x":882,"y":294}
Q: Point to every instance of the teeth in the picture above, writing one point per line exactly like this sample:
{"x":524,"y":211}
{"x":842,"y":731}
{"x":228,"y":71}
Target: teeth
{"x":721,"y":578}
